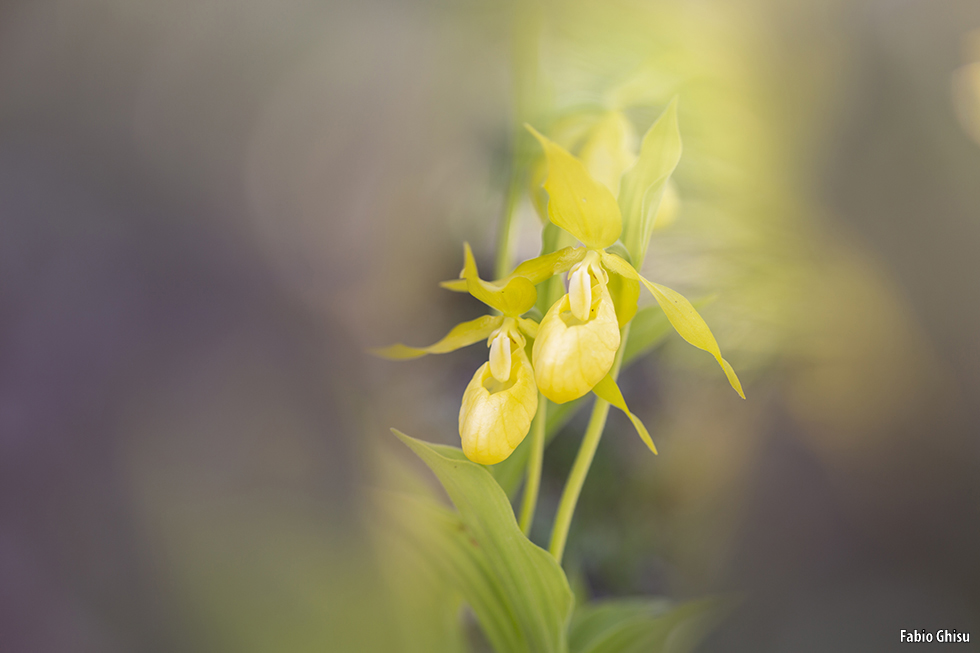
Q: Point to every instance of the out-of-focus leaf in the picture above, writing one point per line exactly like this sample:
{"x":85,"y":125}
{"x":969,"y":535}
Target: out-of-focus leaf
{"x":649,"y":328}
{"x":533,"y":590}
{"x":643,"y":626}
{"x":643,"y":185}
{"x":441,"y":546}
{"x":421,"y":557}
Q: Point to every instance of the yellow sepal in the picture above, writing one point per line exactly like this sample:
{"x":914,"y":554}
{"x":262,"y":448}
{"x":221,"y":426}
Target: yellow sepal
{"x":682,"y":316}
{"x":461,"y":335}
{"x":495,"y":417}
{"x":608,"y":390}
{"x":607,"y":152}
{"x":577,"y":203}
{"x":571,"y":356}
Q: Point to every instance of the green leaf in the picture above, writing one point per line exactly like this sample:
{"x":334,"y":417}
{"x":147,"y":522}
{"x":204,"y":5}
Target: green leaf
{"x":643,"y":185}
{"x":643,"y":626}
{"x":533,"y":589}
{"x":422,"y":557}
{"x":649,"y":328}
{"x":443,"y":548}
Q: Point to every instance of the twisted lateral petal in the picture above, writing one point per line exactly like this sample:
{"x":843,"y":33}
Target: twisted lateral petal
{"x":495,"y":417}
{"x":461,"y":335}
{"x":683,"y":317}
{"x":608,"y":390}
{"x":571,"y":355}
{"x":576,"y":202}
{"x":534,"y":270}
{"x":515,"y":297}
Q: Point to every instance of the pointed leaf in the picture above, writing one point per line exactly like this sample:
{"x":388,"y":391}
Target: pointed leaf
{"x":643,"y":184}
{"x":461,"y":335}
{"x":533,"y":586}
{"x":443,"y":548}
{"x":577,"y":203}
{"x":643,"y":626}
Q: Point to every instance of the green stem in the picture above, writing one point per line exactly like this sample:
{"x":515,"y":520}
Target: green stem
{"x":580,"y":468}
{"x":506,"y":236}
{"x":533,"y":482}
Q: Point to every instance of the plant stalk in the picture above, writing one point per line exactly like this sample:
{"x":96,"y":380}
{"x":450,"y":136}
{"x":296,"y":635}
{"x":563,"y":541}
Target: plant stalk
{"x":583,"y":461}
{"x":507,"y":234}
{"x":530,"y":500}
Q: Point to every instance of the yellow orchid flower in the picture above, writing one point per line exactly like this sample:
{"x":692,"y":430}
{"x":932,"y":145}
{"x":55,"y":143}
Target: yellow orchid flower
{"x":501,"y":399}
{"x":568,"y":365}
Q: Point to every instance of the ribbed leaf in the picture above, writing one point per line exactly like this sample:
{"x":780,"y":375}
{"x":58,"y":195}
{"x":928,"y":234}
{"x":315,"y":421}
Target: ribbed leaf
{"x":643,"y":626}
{"x":533,"y":589}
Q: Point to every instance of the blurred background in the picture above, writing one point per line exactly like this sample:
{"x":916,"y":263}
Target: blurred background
{"x":209,"y":209}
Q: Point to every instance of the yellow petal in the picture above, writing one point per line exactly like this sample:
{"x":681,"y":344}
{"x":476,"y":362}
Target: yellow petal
{"x":608,"y":390}
{"x":625,"y":292}
{"x":495,"y":417}
{"x":571,"y":356}
{"x":528,"y":326}
{"x":544,"y":267}
{"x":608,"y":151}
{"x":461,"y":335}
{"x":577,"y":203}
{"x":515,"y":297}
{"x":683,"y":317}
{"x":535,"y":270}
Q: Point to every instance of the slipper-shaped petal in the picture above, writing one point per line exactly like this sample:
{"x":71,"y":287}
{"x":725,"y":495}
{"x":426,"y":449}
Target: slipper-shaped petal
{"x":495,"y":417}
{"x":570,"y":355}
{"x":461,"y":335}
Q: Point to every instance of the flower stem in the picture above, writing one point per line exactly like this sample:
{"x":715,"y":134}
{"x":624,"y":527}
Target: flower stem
{"x":533,"y":482}
{"x":580,"y":468}
{"x":506,"y":236}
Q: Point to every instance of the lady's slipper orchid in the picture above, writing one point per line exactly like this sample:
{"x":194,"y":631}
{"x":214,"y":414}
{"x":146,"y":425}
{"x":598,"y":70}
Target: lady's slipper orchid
{"x":579,"y":336}
{"x":502,"y":398}
{"x":587,"y":210}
